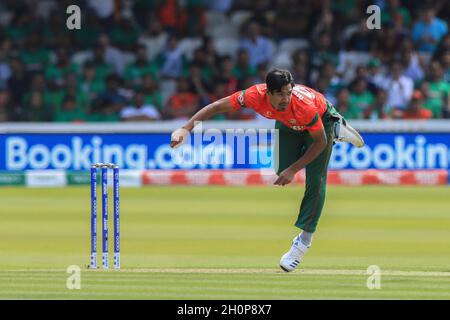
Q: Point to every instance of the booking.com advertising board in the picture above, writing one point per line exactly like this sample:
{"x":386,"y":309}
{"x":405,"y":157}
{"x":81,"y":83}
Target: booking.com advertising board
{"x":251,"y":149}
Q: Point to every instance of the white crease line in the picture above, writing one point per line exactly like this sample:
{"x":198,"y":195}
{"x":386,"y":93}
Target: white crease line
{"x":329,"y":272}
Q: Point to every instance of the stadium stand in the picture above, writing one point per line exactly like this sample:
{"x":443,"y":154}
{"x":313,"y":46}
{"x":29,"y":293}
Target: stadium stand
{"x":145,"y":51}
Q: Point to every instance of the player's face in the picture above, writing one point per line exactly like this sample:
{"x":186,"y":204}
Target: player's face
{"x":280,"y":99}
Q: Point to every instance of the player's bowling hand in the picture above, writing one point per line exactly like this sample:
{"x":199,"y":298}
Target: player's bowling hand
{"x":178,"y":137}
{"x":285,"y":177}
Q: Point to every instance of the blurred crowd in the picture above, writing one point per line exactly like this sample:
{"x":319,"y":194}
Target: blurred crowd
{"x":165,"y":59}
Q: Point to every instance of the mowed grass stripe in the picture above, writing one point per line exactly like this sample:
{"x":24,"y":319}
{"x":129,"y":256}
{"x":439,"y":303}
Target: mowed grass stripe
{"x":308,"y":288}
{"x":207,"y":294}
{"x":287,"y":284}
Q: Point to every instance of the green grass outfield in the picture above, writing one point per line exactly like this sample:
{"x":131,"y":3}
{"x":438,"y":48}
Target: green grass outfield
{"x":226,"y":242}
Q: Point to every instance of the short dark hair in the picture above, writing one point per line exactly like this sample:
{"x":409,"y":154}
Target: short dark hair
{"x":277,"y":78}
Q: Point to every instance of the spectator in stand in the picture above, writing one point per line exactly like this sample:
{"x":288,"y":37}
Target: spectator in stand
{"x":442,"y":48}
{"x":348,"y":11}
{"x":34,"y":55}
{"x":325,"y":23}
{"x":243,"y":68}
{"x":154,"y":39}
{"x":259,"y":48}
{"x":38,"y":84}
{"x":415,"y":109}
{"x":70,"y":111}
{"x":198,"y":84}
{"x":112,"y":55}
{"x":344,"y":107}
{"x":86,"y":37}
{"x":361,"y":38}
{"x":205,"y":63}
{"x":261,"y":72}
{"x":436,"y":89}
{"x":262,"y":14}
{"x":322,"y":85}
{"x":414,"y":64}
{"x":124,"y":34}
{"x":5,"y":68}
{"x":301,"y":56}
{"x":223,"y":6}
{"x":399,"y":88}
{"x":195,"y":18}
{"x":135,"y":71}
{"x":428,"y":31}
{"x":226,"y":75}
{"x":55,"y":32}
{"x":360,"y":97}
{"x":445,"y":62}
{"x":446,"y":111}
{"x":322,"y":52}
{"x":361,"y":72}
{"x":293,"y":19}
{"x":301,"y":66}
{"x":18,"y":84}
{"x":6,"y":109}
{"x":151,"y":92}
{"x":55,"y":74}
{"x":183,"y":104}
{"x":211,"y":58}
{"x":172,"y":16}
{"x":139,"y":110}
{"x":375,"y":75}
{"x":300,"y":73}
{"x":332,"y":80}
{"x":143,"y":11}
{"x":393,"y":12}
{"x":378,"y":109}
{"x":102,"y":69}
{"x":73,"y":90}
{"x":90,"y":84}
{"x":20,"y":26}
{"x":171,"y":59}
{"x":104,"y":10}
{"x":387,"y":45}
{"x":110,"y":102}
{"x":37,"y":110}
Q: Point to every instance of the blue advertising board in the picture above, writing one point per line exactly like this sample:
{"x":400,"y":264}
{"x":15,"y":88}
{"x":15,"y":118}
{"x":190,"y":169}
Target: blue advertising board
{"x":212,"y":151}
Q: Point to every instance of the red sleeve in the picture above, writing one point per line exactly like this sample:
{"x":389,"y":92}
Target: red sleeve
{"x":247,"y":98}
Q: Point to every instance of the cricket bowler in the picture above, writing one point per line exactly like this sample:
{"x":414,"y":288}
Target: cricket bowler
{"x":307,"y":126}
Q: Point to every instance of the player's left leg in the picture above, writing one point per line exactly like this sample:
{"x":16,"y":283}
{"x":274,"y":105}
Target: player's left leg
{"x":313,"y":199}
{"x":342,"y":130}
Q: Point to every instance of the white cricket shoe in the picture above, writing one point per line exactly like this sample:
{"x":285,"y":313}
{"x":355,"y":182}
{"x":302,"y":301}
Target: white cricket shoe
{"x":346,"y":133}
{"x":291,"y":259}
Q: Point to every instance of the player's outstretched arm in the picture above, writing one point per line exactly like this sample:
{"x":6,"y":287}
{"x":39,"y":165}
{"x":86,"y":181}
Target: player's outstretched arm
{"x":220,"y":106}
{"x":319,"y":143}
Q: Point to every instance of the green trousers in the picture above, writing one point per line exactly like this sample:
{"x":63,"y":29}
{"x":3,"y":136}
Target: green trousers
{"x":291,"y":146}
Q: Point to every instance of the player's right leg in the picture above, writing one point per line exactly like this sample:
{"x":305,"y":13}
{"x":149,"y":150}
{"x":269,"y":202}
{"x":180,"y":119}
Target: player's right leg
{"x":313,"y":199}
{"x":290,"y":146}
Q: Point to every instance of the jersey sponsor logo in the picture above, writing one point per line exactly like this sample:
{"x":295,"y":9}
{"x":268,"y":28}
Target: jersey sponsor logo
{"x":293,"y":121}
{"x":298,"y":128}
{"x":268,"y":113}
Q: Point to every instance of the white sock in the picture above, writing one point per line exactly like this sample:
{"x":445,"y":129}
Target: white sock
{"x":306,"y":238}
